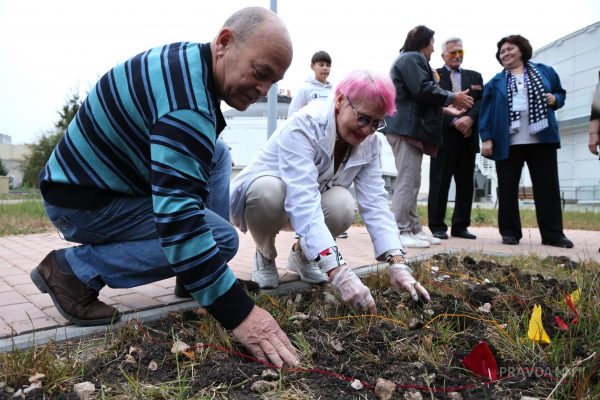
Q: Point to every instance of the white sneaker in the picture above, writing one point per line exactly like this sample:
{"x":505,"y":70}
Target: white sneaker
{"x":265,"y":272}
{"x":308,"y":270}
{"x":428,"y":238}
{"x":409,"y":240}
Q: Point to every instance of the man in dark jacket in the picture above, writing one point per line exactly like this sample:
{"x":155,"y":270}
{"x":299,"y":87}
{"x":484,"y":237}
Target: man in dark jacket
{"x":460,"y":143}
{"x":415,"y":128}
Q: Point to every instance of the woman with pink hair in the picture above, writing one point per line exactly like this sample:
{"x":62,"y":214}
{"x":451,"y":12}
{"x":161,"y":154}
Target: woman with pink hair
{"x":299,"y":182}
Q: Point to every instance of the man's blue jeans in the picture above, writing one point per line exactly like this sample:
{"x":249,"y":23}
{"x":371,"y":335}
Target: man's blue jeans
{"x":120,"y":246}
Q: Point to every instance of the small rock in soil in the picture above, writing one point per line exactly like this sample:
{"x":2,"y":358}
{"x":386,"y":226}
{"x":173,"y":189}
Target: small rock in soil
{"x":414,"y":323}
{"x":337,"y":345}
{"x":136,"y":351}
{"x":152,"y":366}
{"x":384,"y":389}
{"x":486,"y":308}
{"x":270,"y":375}
{"x":299,"y":317}
{"x":263,"y":386}
{"x":298,"y":298}
{"x":330,"y":299}
{"x":413,"y":396}
{"x":36,"y":377}
{"x":179,"y":347}
{"x":129,"y":359}
{"x":455,"y":396}
{"x":418,"y":364}
{"x":356,"y":384}
{"x":35,"y":385}
{"x":84,"y":390}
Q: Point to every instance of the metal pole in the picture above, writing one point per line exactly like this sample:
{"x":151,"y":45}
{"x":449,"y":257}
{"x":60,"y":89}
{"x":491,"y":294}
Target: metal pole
{"x":272,"y":96}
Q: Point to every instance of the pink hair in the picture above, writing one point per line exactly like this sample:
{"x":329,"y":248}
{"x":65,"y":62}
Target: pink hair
{"x":367,"y":85}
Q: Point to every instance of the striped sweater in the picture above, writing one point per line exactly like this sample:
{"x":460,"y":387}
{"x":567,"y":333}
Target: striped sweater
{"x":148,"y":128}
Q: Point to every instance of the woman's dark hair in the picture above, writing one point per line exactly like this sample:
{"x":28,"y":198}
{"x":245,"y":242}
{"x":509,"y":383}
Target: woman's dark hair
{"x":519,"y":41}
{"x":321,"y":56}
{"x":418,"y":38}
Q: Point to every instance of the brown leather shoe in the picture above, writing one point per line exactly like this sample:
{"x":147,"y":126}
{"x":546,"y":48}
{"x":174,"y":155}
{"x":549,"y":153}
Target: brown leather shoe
{"x":75,"y":301}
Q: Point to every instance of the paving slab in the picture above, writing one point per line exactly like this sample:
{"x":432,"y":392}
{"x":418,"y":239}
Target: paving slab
{"x":25,"y":312}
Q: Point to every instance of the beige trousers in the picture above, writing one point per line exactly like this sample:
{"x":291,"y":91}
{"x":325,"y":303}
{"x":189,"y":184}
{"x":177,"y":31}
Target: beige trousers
{"x":265,"y":213}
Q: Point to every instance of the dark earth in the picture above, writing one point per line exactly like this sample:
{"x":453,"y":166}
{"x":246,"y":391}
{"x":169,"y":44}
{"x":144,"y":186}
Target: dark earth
{"x":411,"y":352}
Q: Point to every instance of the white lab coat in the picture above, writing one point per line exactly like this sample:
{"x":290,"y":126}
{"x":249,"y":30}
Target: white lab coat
{"x":300,"y":153}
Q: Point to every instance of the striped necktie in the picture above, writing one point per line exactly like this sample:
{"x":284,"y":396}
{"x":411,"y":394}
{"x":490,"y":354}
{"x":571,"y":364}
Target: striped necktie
{"x":455,"y":79}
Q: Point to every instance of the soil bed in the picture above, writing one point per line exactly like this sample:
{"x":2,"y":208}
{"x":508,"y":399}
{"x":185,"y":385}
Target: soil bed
{"x":417,"y":347}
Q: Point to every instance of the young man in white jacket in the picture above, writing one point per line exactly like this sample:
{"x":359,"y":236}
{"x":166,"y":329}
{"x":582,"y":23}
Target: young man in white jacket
{"x":299,"y":181}
{"x":315,"y":88}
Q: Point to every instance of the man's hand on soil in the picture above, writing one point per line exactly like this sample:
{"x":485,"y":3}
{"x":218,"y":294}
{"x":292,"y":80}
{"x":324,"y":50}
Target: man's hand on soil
{"x":353,"y":291}
{"x":263,"y":337}
{"x":401,"y":278}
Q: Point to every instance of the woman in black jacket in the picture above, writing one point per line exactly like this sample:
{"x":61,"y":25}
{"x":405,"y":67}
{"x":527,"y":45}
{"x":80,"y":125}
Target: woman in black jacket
{"x":415,"y":128}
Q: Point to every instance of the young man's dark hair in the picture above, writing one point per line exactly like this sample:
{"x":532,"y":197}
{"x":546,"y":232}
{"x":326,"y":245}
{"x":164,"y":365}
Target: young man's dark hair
{"x":321,"y":56}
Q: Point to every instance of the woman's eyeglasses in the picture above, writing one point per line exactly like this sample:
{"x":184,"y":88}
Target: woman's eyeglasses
{"x":364,"y":120}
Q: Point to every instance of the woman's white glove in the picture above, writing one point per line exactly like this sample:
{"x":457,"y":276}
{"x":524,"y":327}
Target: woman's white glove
{"x":401,"y":278}
{"x":353,"y":291}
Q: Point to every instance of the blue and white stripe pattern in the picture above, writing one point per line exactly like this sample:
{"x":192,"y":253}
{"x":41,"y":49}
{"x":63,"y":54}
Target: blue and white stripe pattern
{"x":148,"y":127}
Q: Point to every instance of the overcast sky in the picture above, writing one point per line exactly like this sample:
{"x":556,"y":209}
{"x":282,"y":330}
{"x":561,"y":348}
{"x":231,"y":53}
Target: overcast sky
{"x":49,"y":49}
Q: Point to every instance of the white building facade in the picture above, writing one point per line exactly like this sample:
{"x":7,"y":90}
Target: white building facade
{"x":576,"y":59}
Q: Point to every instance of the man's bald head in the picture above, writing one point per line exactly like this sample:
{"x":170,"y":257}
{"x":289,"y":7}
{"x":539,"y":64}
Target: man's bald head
{"x":245,"y":21}
{"x":252,"y":51}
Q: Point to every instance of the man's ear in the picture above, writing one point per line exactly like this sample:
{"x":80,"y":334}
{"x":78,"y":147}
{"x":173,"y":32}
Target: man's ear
{"x":224,"y":40}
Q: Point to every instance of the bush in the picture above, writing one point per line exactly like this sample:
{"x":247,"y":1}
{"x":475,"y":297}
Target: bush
{"x":3,"y":170}
{"x":40,"y":152}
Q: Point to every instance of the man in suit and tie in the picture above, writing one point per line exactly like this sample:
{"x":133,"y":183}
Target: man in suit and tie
{"x":460,"y":143}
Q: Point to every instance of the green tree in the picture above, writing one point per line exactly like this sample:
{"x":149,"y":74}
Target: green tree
{"x":3,"y":170}
{"x":40,"y":152}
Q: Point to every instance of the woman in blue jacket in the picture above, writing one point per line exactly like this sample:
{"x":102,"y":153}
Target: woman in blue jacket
{"x":517,"y":126}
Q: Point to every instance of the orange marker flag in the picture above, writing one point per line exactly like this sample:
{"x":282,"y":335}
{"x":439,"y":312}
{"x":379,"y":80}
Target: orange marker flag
{"x":536,"y":328}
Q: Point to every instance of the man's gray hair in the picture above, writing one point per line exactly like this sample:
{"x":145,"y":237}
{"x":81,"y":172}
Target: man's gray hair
{"x":452,"y":39}
{"x":245,"y":21}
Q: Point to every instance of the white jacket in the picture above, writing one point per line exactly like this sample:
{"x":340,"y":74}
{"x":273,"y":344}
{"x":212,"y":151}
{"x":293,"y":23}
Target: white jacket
{"x":312,"y":90}
{"x":300,"y":153}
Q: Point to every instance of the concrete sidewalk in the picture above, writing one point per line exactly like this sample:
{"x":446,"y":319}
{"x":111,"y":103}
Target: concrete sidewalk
{"x":23,"y":309}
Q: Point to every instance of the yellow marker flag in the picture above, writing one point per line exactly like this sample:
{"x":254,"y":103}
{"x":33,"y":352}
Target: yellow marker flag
{"x":536,"y":328}
{"x":575,"y":296}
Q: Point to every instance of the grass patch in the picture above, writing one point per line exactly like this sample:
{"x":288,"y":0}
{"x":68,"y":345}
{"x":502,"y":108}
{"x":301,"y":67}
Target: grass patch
{"x":23,"y":217}
{"x":583,"y":220}
{"x":23,"y":213}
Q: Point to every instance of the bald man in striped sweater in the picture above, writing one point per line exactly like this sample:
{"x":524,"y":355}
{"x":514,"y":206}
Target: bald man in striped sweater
{"x":130,"y":180}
